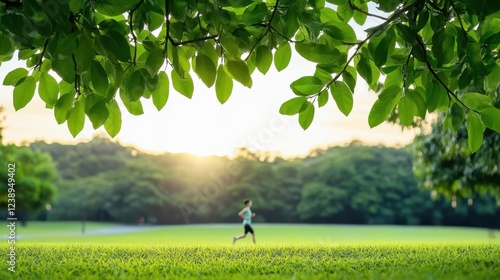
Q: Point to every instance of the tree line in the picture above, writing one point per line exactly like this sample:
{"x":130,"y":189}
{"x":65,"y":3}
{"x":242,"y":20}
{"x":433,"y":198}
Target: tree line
{"x":104,"y":181}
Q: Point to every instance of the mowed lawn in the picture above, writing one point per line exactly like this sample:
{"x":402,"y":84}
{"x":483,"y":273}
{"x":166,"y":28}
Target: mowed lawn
{"x":59,"y":251}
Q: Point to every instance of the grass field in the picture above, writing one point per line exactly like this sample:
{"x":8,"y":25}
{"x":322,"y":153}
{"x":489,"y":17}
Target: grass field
{"x":59,"y":251}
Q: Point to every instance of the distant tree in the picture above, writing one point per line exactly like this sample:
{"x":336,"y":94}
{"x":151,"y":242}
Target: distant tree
{"x":353,"y":184}
{"x":321,"y":201}
{"x":35,"y":176}
{"x":434,"y":54}
{"x":443,"y":162}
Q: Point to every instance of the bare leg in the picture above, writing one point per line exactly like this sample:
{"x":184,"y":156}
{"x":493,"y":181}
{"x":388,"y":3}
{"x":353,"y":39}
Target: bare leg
{"x":253,"y":238}
{"x":243,"y":235}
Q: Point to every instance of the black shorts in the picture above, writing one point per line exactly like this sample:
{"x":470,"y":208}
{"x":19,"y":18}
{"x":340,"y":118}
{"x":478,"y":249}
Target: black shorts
{"x":248,"y":229}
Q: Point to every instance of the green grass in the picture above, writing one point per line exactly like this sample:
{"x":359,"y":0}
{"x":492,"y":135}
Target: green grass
{"x":267,"y":234}
{"x":282,"y":252}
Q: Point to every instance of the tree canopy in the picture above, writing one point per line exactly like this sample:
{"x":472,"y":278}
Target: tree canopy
{"x":422,"y":56}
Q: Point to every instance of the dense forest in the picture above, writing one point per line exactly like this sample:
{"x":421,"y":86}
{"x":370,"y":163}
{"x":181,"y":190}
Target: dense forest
{"x":104,"y":181}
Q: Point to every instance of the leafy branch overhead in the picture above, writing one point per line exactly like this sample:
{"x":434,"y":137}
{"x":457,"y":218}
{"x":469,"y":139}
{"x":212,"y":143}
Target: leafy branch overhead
{"x":424,"y":56}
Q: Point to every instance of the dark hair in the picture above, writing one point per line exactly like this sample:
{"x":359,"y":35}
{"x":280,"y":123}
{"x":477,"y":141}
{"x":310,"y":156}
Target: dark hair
{"x":246,"y":201}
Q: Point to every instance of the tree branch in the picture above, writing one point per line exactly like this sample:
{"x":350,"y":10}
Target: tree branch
{"x":167,"y":35}
{"x":448,"y":90}
{"x":284,"y":37}
{"x":435,"y":6}
{"x":77,"y":77}
{"x":356,"y":8}
{"x":130,"y":23}
{"x":39,"y":63}
{"x":406,"y":72}
{"x":263,"y":34}
{"x":459,"y":20}
{"x":201,"y":39}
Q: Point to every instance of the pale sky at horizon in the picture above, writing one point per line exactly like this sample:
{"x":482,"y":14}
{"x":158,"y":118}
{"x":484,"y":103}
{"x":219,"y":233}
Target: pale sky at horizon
{"x":203,"y":126}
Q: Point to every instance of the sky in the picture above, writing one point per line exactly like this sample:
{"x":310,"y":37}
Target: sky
{"x":202,"y":126}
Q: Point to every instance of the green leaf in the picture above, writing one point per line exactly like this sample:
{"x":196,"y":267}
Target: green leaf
{"x":63,"y":45}
{"x":349,"y":77}
{"x":474,"y":55}
{"x":318,"y":4}
{"x":406,"y":33}
{"x":307,"y":85}
{"x":98,"y":114}
{"x":75,"y":6}
{"x":230,"y":45}
{"x":116,"y":44}
{"x":161,"y":92}
{"x":345,"y":12}
{"x":365,"y":70}
{"x":457,"y":116}
{"x":6,"y":46}
{"x":15,"y":76}
{"x":113,"y":7}
{"x":183,"y":86}
{"x":320,"y":53}
{"x":436,"y":96}
{"x":359,"y":17}
{"x":134,"y":107}
{"x":62,"y":107}
{"x":99,"y":78}
{"x":337,"y":2}
{"x":443,"y":45}
{"x":394,"y":78}
{"x":264,"y":59}
{"x":423,"y":18}
{"x":65,"y":69}
{"x":382,"y":49}
{"x":23,"y":92}
{"x":340,"y":30}
{"x":113,"y":124}
{"x":406,"y":109}
{"x":475,"y":130}
{"x":464,"y":79}
{"x":476,"y":101}
{"x":255,"y":13}
{"x":239,"y":70}
{"x":491,"y":118}
{"x":419,"y":101}
{"x":381,"y":109}
{"x":390,"y":94}
{"x":322,"y":98}
{"x":134,"y":86}
{"x":48,"y":89}
{"x":155,"y":61}
{"x":306,"y":117}
{"x":223,"y":85}
{"x":205,"y":68}
{"x":84,"y":54}
{"x":342,"y":96}
{"x":179,"y":10}
{"x":76,"y":119}
{"x":282,"y":57}
{"x":293,"y":106}
{"x":388,"y":5}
